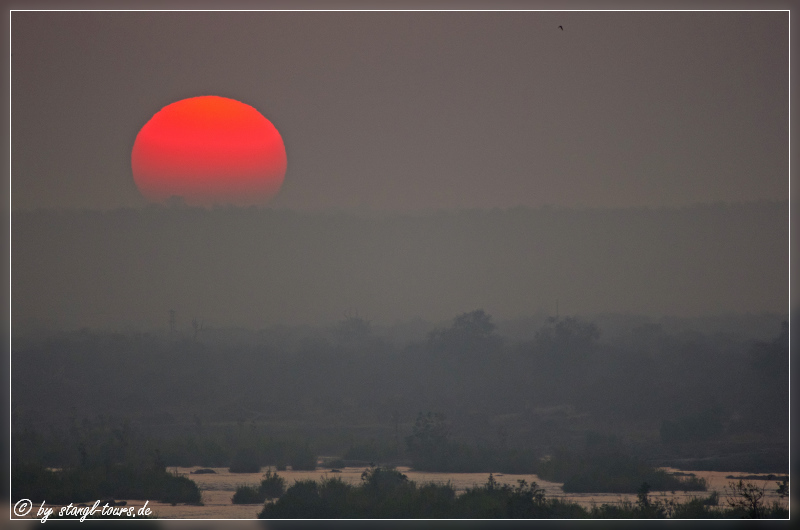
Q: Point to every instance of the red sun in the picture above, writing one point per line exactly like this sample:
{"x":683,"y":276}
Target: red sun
{"x":209,"y":150}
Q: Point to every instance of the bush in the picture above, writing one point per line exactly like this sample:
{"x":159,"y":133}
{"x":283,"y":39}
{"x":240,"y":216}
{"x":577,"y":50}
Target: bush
{"x":119,"y":481}
{"x":385,"y":493}
{"x":302,"y":500}
{"x":271,"y":487}
{"x":382,"y":479}
{"x":247,"y":495}
{"x":526,"y":501}
{"x":694,"y":509}
{"x":607,"y":468}
{"x":175,"y":489}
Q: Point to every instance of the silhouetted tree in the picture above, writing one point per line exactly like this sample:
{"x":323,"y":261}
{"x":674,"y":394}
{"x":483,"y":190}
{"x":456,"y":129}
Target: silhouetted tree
{"x":771,"y":359}
{"x":746,"y":496}
{"x":429,"y":442}
{"x":353,"y":330}
{"x":569,"y":336}
{"x":472,"y":331}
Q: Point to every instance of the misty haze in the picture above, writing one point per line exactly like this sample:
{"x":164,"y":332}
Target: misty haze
{"x":473,"y":265}
{"x":253,"y":338}
{"x":125,"y":269}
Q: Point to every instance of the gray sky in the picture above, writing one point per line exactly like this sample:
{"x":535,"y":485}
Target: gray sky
{"x":409,"y":111}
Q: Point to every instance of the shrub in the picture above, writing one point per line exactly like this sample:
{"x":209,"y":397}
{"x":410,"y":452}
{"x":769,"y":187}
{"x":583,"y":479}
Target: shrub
{"x":272,"y":486}
{"x":119,"y":481}
{"x":175,"y":489}
{"x":247,"y":495}
{"x":301,"y":500}
{"x":385,"y":493}
{"x":609,"y":469}
{"x":382,"y":479}
{"x":524,"y":500}
{"x":693,"y":509}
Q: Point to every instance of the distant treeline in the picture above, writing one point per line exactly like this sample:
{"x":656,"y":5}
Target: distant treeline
{"x":463,"y":398}
{"x":114,"y":441}
{"x":253,"y":267}
{"x":603,"y":464}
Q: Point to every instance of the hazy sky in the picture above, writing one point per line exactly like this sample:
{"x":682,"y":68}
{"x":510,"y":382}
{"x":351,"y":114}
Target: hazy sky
{"x":407,"y":111}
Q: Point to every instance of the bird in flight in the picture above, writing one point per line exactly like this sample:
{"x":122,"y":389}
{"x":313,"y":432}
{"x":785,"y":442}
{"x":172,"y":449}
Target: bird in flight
{"x":561,"y":28}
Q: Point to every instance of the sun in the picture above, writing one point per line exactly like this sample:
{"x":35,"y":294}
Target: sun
{"x":209,"y":150}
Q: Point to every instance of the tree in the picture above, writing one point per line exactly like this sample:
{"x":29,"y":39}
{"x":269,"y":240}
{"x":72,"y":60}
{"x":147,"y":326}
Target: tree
{"x":429,"y":442}
{"x":475,"y":324}
{"x":771,"y":359}
{"x":472,"y":331}
{"x":382,"y":480}
{"x":569,"y":336}
{"x":746,"y":496}
{"x":353,"y":329}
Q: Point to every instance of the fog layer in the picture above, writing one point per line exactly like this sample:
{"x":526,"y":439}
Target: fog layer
{"x":255,"y":267}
